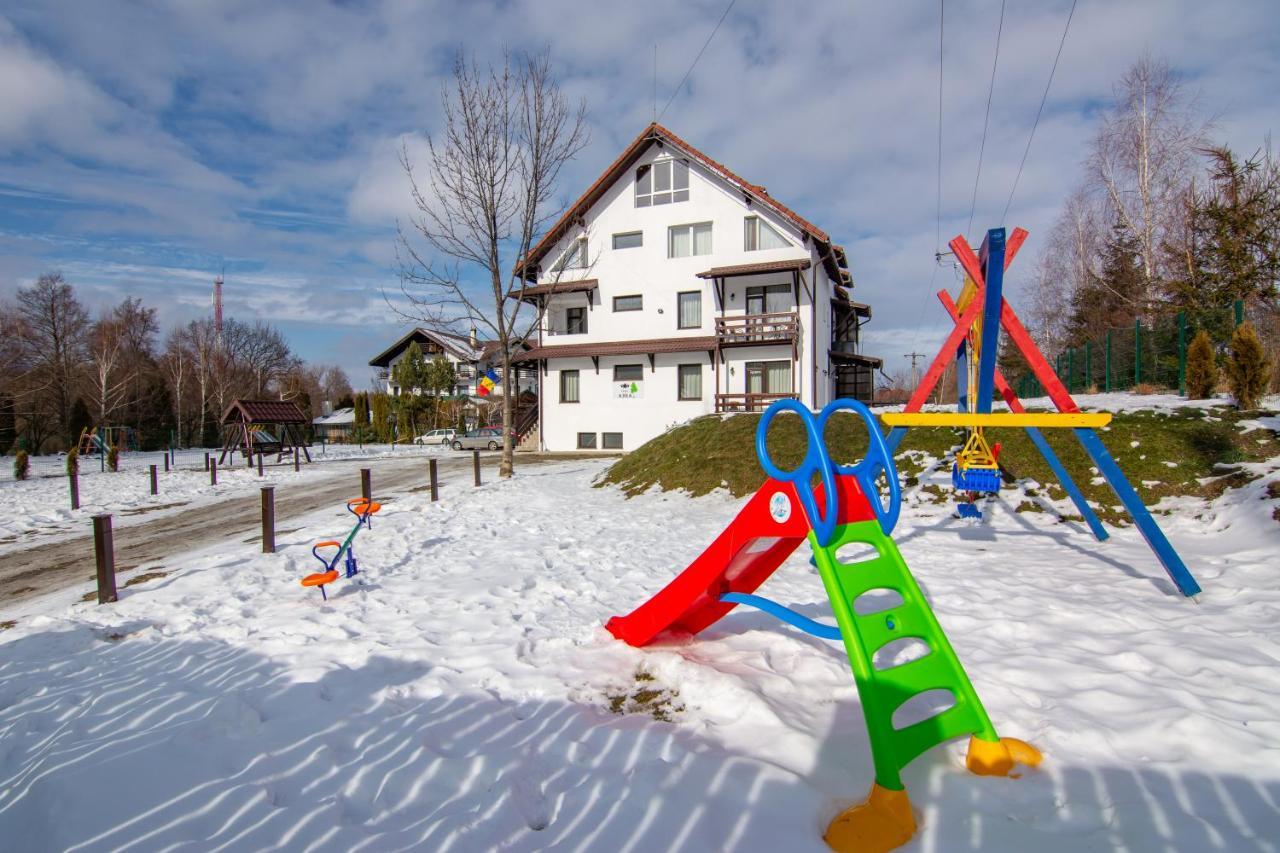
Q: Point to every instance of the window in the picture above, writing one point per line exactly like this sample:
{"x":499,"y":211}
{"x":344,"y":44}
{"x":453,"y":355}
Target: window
{"x":574,"y":257}
{"x":611,"y":440}
{"x":689,"y":309}
{"x":575,"y":321}
{"x":569,"y":386}
{"x":758,"y":234}
{"x":769,"y":299}
{"x":628,"y":240}
{"x":768,"y":377}
{"x":628,"y":373}
{"x":690,"y":382}
{"x":686,"y":240}
{"x":628,"y":303}
{"x":586,"y":441}
{"x":662,"y":182}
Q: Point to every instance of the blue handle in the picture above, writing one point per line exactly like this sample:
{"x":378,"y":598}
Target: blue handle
{"x":878,"y":458}
{"x":816,"y":461}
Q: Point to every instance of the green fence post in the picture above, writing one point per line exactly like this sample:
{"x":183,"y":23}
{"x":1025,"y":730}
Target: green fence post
{"x":1137,"y":352}
{"x":1088,"y":365}
{"x":1182,"y":353}
{"x":1239,"y":306}
{"x":1107,"y":381}
{"x":1071,"y":370}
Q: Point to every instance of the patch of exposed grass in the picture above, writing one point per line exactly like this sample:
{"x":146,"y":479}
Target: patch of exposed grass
{"x":713,"y":452}
{"x":645,"y":696}
{"x":144,"y":577}
{"x":7,"y":624}
{"x":1028,"y":506}
{"x":1273,"y":490}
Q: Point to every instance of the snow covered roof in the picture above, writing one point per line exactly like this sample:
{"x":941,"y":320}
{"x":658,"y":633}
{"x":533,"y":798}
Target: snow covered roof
{"x":338,"y":418}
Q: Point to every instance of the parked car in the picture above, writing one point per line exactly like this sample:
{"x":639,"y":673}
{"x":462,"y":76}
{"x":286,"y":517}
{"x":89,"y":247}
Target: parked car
{"x":485,"y":438}
{"x":437,"y":436}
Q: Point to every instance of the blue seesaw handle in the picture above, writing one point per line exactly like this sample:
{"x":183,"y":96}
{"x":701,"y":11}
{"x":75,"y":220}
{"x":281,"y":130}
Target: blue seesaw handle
{"x":878,"y":458}
{"x":816,"y":461}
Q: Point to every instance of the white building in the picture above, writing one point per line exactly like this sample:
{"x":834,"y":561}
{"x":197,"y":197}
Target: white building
{"x":674,"y":288}
{"x":470,"y":359}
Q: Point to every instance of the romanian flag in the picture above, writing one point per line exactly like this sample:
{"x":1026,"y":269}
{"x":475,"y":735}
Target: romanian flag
{"x":487,"y":383}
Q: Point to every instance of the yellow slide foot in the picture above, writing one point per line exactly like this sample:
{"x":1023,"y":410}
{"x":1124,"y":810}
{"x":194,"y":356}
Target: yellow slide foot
{"x":996,"y":758}
{"x":883,"y":822}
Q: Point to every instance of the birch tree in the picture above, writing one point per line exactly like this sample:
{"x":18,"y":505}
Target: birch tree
{"x":487,"y":196}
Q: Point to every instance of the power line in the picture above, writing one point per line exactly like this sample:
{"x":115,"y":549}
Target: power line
{"x":1043,"y":99}
{"x":937,"y":233}
{"x":695,"y":59}
{"x":986,"y":121}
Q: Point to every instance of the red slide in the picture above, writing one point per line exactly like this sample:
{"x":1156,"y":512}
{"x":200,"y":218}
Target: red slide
{"x":756,"y":542}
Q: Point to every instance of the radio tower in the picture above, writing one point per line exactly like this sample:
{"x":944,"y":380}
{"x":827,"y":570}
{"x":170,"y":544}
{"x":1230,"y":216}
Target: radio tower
{"x":217,"y":307}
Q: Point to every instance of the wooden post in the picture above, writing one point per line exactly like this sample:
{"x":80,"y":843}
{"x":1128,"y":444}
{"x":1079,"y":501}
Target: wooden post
{"x":155,"y":482}
{"x":268,"y":519}
{"x":213,"y":471}
{"x":206,"y":461}
{"x":366,"y":487}
{"x":435,"y":484}
{"x":104,"y":555}
{"x":475,"y":464}
{"x":166,"y":461}
{"x":260,"y":455}
{"x":75,"y":490}
{"x":295,"y":459}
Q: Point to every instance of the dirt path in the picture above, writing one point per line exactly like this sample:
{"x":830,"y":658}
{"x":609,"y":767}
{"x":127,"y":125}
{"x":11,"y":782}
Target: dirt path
{"x":68,"y":562}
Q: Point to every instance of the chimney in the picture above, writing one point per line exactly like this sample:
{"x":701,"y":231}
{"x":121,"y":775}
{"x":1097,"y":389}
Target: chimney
{"x":326,"y":408}
{"x":475,"y":342}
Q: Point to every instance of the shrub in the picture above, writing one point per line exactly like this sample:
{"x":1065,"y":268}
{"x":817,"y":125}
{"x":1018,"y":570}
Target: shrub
{"x":1146,"y":388}
{"x":21,"y":465}
{"x":1202,"y":367}
{"x":73,"y":461}
{"x":1248,"y":370}
{"x":113,"y":458}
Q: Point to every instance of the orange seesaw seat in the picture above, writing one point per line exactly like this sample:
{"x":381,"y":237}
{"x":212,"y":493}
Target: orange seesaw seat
{"x":321,"y":578}
{"x":363,"y":506}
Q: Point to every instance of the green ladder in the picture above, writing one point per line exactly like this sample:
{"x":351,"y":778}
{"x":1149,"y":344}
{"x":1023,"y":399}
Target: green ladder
{"x":883,"y":691}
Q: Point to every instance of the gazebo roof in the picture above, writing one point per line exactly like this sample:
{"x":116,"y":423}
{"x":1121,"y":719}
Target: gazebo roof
{"x":264,"y":412}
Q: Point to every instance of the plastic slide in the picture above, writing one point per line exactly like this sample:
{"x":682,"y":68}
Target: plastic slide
{"x":751,"y":548}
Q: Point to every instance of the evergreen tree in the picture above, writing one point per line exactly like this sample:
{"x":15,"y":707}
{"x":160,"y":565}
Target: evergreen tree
{"x":79,"y":420}
{"x":209,"y":432}
{"x":360,"y":427}
{"x":1112,"y":298}
{"x":1248,"y":370}
{"x":1202,"y":367}
{"x":410,"y":374}
{"x":380,"y":416}
{"x":155,"y":415}
{"x":21,"y":465}
{"x":8,"y":424}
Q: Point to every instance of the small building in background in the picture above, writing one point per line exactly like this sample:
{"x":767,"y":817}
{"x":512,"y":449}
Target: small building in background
{"x":336,"y":426}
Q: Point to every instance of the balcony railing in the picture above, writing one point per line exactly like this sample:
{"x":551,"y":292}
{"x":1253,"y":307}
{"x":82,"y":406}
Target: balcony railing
{"x":748,"y":402}
{"x":750,"y":329}
{"x":383,"y":374}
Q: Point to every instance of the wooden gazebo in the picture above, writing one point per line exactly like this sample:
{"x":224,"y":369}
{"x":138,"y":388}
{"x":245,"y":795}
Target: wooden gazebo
{"x":263,"y":426}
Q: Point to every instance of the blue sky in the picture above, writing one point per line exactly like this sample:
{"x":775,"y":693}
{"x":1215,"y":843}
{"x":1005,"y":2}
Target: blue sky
{"x":146,"y":146}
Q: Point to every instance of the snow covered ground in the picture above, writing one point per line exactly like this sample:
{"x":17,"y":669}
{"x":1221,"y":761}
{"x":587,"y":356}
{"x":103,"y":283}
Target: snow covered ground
{"x":457,"y":695}
{"x":45,"y":497}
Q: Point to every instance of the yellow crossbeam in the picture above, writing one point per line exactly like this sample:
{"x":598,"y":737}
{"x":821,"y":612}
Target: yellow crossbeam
{"x":972,"y":420}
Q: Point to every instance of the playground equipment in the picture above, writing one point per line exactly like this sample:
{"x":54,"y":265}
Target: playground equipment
{"x":101,"y":439}
{"x":363,"y":509}
{"x":979,"y":314}
{"x":254,"y":427}
{"x":876,"y":602}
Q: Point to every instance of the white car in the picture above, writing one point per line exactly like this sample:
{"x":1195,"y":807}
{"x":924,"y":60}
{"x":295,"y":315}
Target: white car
{"x":437,"y":436}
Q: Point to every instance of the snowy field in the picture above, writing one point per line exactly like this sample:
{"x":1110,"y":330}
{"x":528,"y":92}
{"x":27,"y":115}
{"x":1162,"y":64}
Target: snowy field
{"x":457,"y":695}
{"x":46,"y":498}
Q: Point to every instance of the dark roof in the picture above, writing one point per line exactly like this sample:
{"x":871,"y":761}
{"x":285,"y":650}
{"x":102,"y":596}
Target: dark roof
{"x":656,"y":133}
{"x":580,"y":286}
{"x":790,"y":265}
{"x":264,"y":412}
{"x":855,"y":357}
{"x":652,"y":345}
{"x":862,"y":309}
{"x":458,"y":345}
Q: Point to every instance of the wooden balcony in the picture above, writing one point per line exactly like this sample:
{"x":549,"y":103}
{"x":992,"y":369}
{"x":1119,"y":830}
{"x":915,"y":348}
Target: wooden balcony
{"x":748,"y":402}
{"x":758,"y":329}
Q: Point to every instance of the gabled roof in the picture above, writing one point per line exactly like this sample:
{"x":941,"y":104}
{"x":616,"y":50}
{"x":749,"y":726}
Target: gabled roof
{"x":264,"y":412}
{"x":657,"y":134}
{"x":457,"y":345}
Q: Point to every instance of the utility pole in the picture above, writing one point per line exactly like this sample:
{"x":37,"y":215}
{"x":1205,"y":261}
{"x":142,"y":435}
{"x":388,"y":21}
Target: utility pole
{"x":915,"y":374}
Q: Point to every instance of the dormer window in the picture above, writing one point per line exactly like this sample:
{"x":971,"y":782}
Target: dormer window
{"x":758,"y":234}
{"x":574,"y":257}
{"x":662,"y":182}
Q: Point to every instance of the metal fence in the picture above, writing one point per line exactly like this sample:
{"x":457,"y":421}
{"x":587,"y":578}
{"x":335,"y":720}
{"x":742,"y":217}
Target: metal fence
{"x":1153,"y":352}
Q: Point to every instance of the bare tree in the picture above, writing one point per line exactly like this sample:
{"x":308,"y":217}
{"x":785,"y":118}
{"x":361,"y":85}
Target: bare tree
{"x":175,"y":365}
{"x":111,"y":379}
{"x":1143,"y":157}
{"x":508,"y":132}
{"x":54,"y":344}
{"x":335,"y":384}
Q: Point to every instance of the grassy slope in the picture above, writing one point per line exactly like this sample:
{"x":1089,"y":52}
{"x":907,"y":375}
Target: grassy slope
{"x":712,"y":452}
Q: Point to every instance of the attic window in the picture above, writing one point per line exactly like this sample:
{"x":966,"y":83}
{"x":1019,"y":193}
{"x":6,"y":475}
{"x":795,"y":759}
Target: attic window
{"x":758,"y":234}
{"x":662,"y":182}
{"x":574,"y":257}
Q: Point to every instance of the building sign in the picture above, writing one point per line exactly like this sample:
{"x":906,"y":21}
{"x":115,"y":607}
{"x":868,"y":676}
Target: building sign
{"x":628,"y":390}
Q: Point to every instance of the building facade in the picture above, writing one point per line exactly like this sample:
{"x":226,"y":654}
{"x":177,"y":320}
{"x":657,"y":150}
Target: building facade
{"x":470,"y":359}
{"x":673,"y":288}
